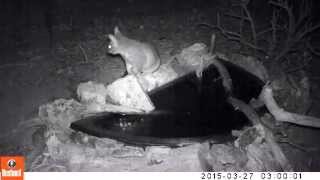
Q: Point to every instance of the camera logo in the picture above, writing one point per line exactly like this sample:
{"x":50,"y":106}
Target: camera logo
{"x":12,"y":163}
{"x":12,"y":167}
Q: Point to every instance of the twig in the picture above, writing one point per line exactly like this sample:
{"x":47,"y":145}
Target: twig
{"x":213,"y":44}
{"x":274,"y":22}
{"x":232,"y":36}
{"x":83,"y":53}
{"x":308,"y":31}
{"x":313,"y":50}
{"x":236,"y":16}
{"x":298,"y":27}
{"x":264,"y":31}
{"x":296,"y":69}
{"x":250,"y":19}
{"x":241,"y":23}
{"x":238,"y":37}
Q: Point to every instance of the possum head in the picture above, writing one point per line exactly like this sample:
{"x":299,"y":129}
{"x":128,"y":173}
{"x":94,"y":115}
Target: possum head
{"x":114,"y":46}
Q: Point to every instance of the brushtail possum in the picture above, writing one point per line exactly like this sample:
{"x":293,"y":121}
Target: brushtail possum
{"x":139,"y":57}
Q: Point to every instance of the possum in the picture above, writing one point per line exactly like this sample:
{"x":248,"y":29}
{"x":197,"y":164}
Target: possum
{"x":139,"y":57}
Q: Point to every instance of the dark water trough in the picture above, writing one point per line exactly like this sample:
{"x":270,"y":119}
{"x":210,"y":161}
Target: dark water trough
{"x":188,"y":110}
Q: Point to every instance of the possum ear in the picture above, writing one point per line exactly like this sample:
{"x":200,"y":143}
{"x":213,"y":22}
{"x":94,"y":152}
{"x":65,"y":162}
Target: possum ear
{"x":117,"y":31}
{"x":113,"y":40}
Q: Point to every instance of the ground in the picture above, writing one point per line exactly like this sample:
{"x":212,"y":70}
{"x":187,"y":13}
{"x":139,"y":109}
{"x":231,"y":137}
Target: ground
{"x":39,"y":65}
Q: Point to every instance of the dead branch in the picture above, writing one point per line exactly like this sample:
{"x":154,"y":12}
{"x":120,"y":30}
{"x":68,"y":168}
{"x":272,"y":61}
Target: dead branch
{"x":83,"y":53}
{"x":236,"y":16}
{"x":213,"y":44}
{"x":228,"y":34}
{"x":298,"y":28}
{"x":284,"y":116}
{"x":238,"y":37}
{"x":226,"y":79}
{"x":254,"y":118}
{"x":241,"y":25}
{"x":232,"y":36}
{"x":262,"y":132}
{"x":313,"y":50}
{"x":246,"y":16}
{"x":264,"y":32}
{"x":245,"y":108}
{"x":274,"y":23}
{"x":251,"y":22}
{"x":308,"y":30}
{"x":296,"y":68}
{"x":285,"y":5}
{"x":294,"y":145}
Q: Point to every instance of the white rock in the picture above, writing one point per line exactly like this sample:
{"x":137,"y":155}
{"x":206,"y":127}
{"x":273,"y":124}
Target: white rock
{"x":192,"y":55}
{"x":128,"y":92}
{"x":92,"y":92}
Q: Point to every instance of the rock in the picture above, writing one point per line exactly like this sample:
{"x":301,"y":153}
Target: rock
{"x":92,"y":92}
{"x":124,"y":95}
{"x":195,"y":58}
{"x":128,"y":152}
{"x":60,"y":113}
{"x":221,"y":157}
{"x":128,"y":92}
{"x":157,"y":154}
{"x":192,"y":55}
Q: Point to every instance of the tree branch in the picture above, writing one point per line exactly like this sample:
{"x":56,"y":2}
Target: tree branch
{"x":284,"y":116}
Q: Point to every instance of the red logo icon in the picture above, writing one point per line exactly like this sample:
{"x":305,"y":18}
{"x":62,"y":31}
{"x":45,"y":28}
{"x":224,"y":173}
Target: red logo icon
{"x":12,"y":167}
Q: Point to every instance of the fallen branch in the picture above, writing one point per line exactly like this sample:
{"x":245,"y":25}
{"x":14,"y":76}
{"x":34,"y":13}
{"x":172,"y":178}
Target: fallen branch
{"x":255,"y":120}
{"x":297,"y":146}
{"x":245,"y":108}
{"x":284,"y":116}
{"x":264,"y":132}
{"x":226,"y":79}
